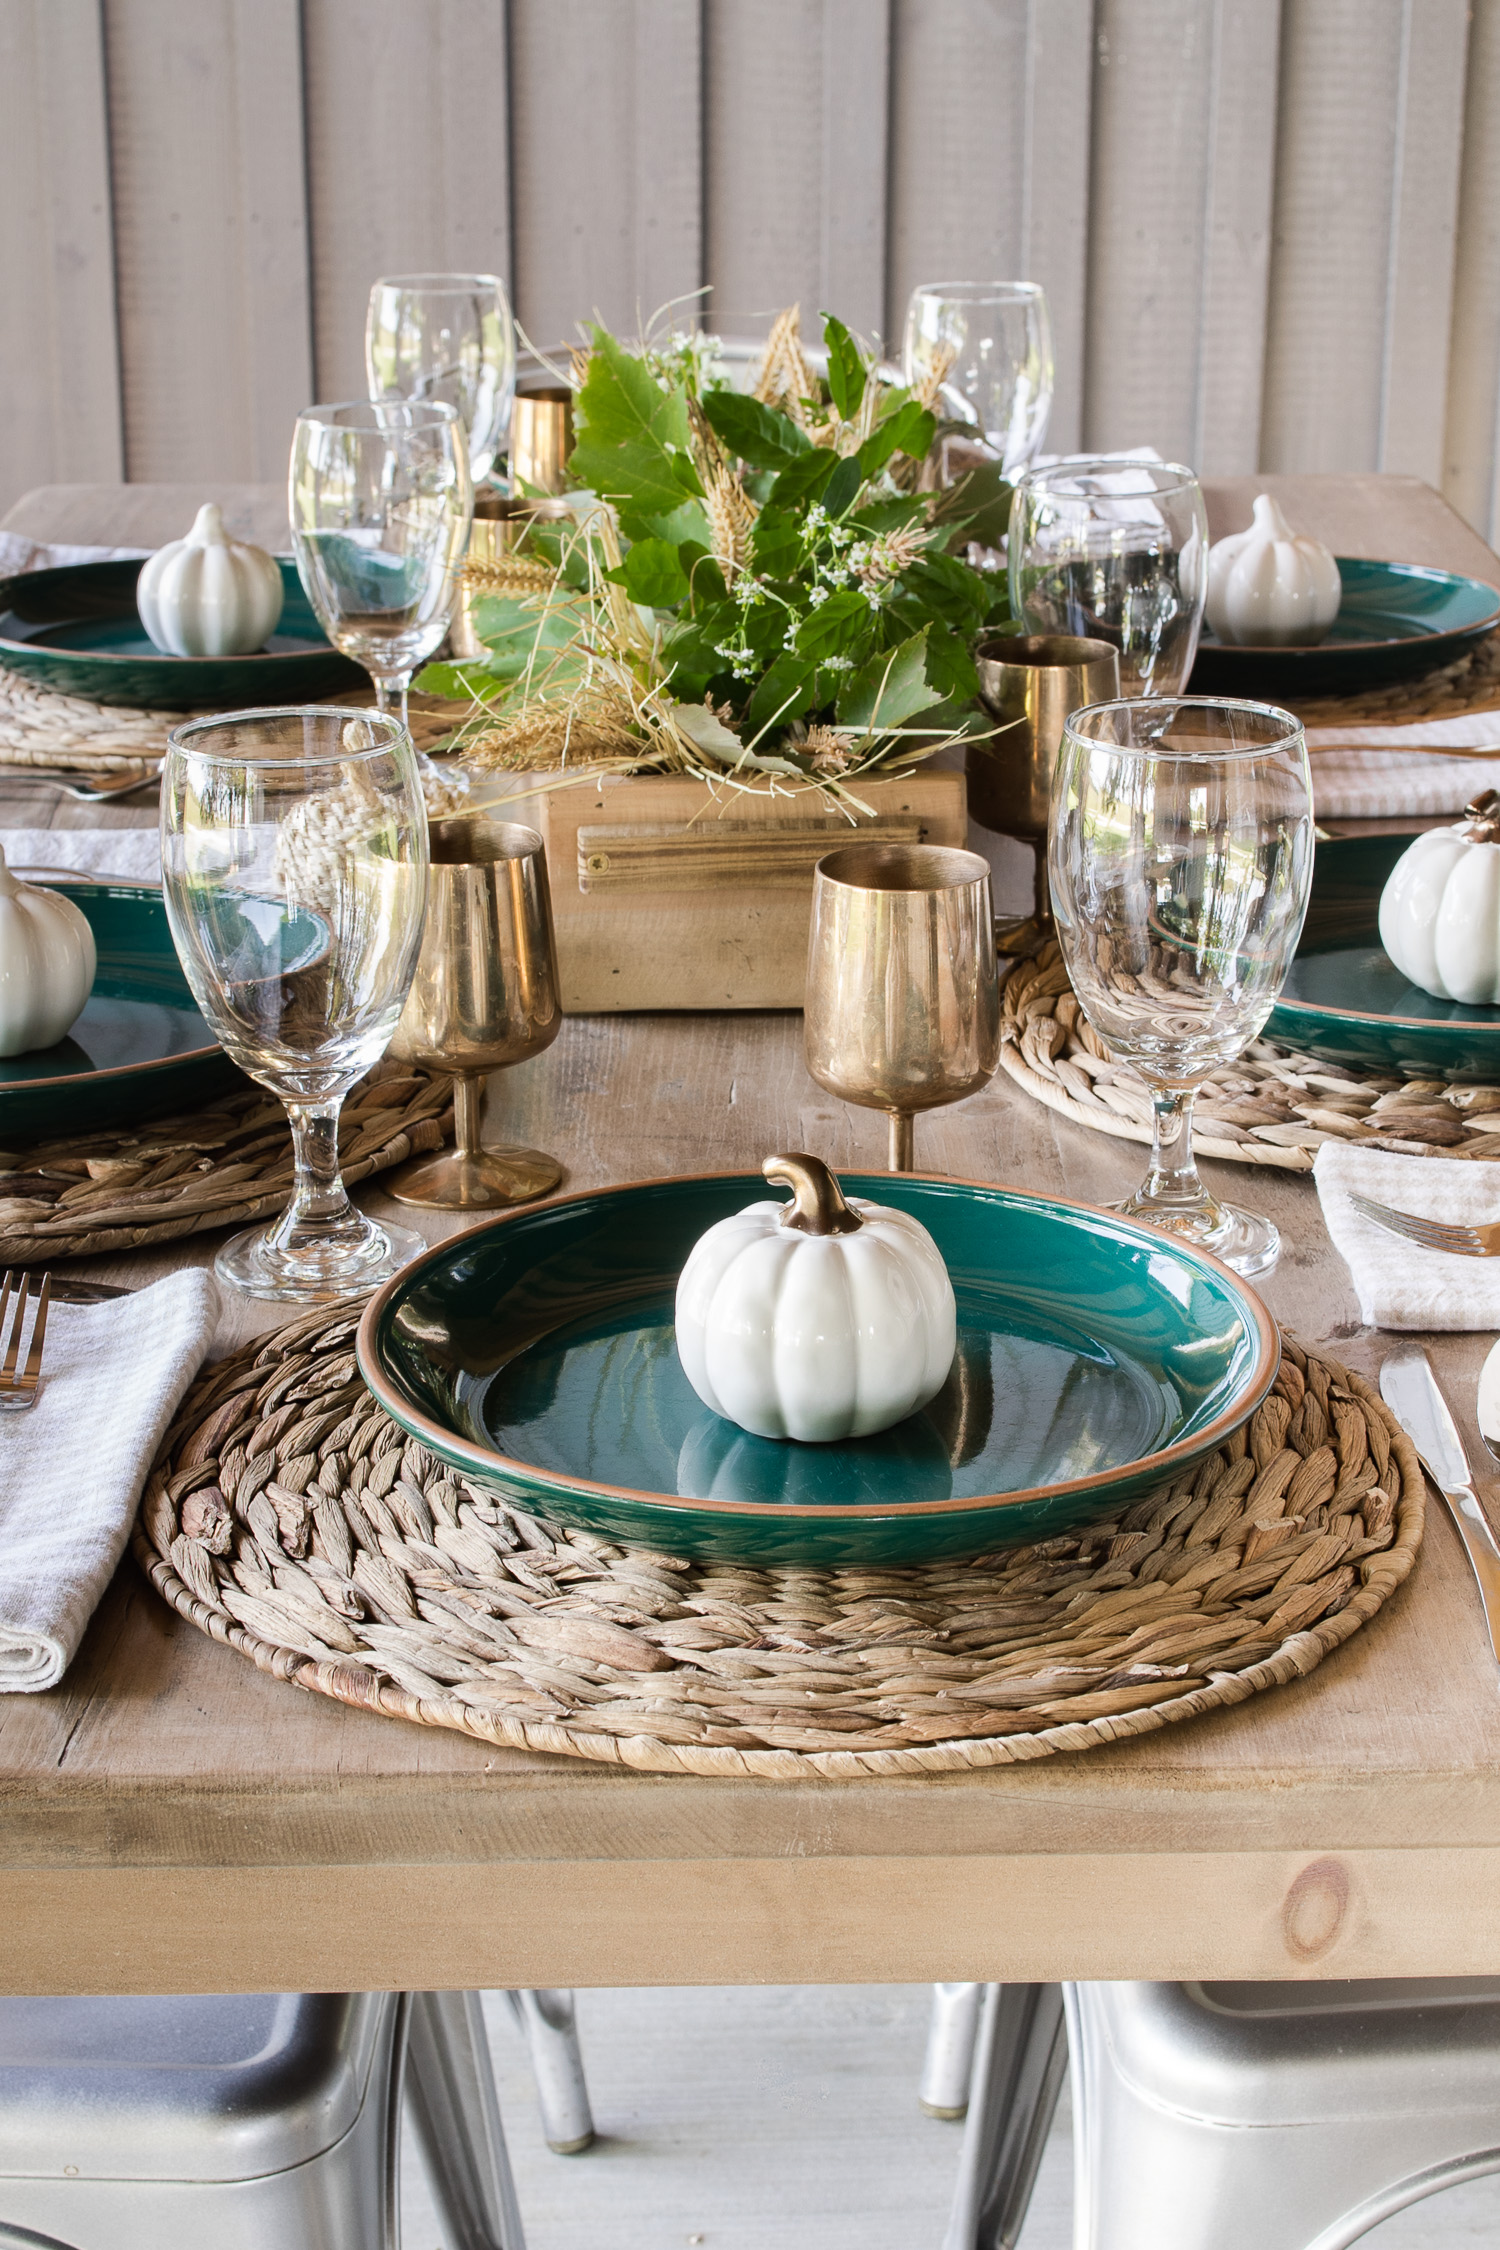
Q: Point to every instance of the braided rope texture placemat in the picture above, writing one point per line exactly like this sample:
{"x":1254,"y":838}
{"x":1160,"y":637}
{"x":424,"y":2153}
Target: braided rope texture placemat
{"x":288,"y":1516}
{"x":1270,"y":1106}
{"x":220,"y":1167}
{"x":1470,"y":684}
{"x":39,"y":728}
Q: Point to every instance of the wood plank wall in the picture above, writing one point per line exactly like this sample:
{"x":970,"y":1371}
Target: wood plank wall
{"x":1270,"y":229}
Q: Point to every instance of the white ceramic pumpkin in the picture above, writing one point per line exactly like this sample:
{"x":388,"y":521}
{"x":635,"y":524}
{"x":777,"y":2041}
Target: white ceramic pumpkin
{"x":1440,"y":909}
{"x":208,"y":594}
{"x":1271,"y":587}
{"x":47,"y":965}
{"x":816,"y":1319}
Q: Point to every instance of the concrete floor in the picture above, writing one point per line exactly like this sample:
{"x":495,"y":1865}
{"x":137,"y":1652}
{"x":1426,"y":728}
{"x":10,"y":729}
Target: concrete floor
{"x":777,"y":2117}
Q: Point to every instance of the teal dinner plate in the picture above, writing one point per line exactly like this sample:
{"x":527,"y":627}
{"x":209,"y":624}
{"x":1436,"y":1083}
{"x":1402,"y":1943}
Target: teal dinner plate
{"x":1395,"y":620}
{"x":77,"y":632}
{"x":140,"y":1048}
{"x":1346,"y":1001}
{"x":1096,"y":1358}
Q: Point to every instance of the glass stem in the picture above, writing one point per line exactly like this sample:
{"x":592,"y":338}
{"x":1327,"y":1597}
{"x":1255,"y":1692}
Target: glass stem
{"x":388,"y":688}
{"x":320,"y":1203}
{"x":1173,"y":1177}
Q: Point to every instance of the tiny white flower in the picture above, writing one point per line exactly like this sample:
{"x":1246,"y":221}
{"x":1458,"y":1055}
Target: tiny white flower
{"x":819,"y":594}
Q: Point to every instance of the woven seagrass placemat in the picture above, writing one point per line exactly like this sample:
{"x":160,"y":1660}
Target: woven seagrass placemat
{"x":1471,"y":683}
{"x":288,"y":1516}
{"x":220,"y":1167}
{"x":1269,"y":1106}
{"x":38,"y":728}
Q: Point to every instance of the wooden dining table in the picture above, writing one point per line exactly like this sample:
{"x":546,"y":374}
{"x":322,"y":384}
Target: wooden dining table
{"x":172,"y":1820}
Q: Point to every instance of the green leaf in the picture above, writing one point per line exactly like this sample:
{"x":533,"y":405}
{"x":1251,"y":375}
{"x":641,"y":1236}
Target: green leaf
{"x":831,"y":627}
{"x":632,"y":444}
{"x":652,"y":574}
{"x":891,"y":688}
{"x":784,"y":693}
{"x":460,"y":681}
{"x":909,"y":430}
{"x":950,"y":668}
{"x":804,"y":478}
{"x":844,"y":486}
{"x":685,"y":523}
{"x":638,"y":477}
{"x":706,"y":587}
{"x":978,"y":505}
{"x":846,"y":368}
{"x":776,"y":542}
{"x":758,"y":434}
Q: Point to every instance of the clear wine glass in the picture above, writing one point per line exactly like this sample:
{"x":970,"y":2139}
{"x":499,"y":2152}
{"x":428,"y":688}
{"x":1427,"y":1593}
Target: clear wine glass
{"x":990,"y":343}
{"x":1114,"y":551}
{"x":1180,"y":853}
{"x":380,"y":501}
{"x":294,"y":865}
{"x":446,"y":336}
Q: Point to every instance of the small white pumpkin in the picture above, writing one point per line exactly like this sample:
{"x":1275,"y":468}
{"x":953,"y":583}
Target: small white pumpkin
{"x":1440,"y":909}
{"x":47,"y":965}
{"x":1270,"y":587}
{"x":208,"y":594}
{"x":815,"y":1319}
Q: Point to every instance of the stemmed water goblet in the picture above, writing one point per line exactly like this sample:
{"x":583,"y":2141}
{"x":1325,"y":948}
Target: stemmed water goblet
{"x":294,"y":867}
{"x":381,"y":501}
{"x":1180,"y":853}
{"x":450,"y":337}
{"x":990,"y":343}
{"x":1114,"y":551}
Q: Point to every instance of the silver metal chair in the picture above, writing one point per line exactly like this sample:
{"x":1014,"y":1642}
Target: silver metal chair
{"x":549,"y":2025}
{"x":242,"y":2120}
{"x":1276,"y":2116}
{"x":1232,"y":2116}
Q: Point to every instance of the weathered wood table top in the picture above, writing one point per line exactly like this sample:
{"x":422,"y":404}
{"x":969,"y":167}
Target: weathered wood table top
{"x":170,"y":1819}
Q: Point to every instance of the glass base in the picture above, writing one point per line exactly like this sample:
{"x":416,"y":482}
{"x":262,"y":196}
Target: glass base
{"x":347,"y":1265}
{"x":1242,"y":1239}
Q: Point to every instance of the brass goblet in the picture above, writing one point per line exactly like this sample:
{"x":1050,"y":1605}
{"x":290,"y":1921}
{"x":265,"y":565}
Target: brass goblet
{"x":903,"y":1003}
{"x":1030,"y":683}
{"x":484,"y":996}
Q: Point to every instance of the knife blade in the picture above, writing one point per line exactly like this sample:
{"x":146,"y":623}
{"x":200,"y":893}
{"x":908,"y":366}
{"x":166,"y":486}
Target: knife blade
{"x":1410,"y":1390}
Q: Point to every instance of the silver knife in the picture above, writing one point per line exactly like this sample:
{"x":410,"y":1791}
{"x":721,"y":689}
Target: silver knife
{"x":1410,"y":1390}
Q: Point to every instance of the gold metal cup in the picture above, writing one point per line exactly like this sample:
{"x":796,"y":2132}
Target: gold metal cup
{"x":541,"y":438}
{"x":903,"y":1003}
{"x":1029,"y":684}
{"x":484,"y":996}
{"x":499,"y":526}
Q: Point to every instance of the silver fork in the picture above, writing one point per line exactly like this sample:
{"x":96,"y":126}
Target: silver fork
{"x":20,"y":1382}
{"x":1430,"y":1234}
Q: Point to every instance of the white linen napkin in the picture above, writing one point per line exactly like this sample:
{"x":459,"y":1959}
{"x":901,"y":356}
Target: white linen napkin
{"x":132,"y":852}
{"x":73,"y":1466}
{"x":18,"y":553}
{"x":1398,"y":1285}
{"x":1372,"y":773}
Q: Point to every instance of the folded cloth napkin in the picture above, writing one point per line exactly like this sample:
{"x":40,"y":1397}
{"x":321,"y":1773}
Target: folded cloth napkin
{"x":18,"y":553}
{"x":132,"y":852}
{"x":72,"y":1467}
{"x":1374,"y":773}
{"x":1398,"y":1285}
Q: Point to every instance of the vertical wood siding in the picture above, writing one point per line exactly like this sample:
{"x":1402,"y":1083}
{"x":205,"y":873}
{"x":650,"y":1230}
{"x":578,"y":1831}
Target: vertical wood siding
{"x":1269,"y":229}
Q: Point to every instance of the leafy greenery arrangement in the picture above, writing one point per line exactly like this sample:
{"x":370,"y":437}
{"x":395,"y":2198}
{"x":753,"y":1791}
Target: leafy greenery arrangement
{"x":749,"y":589}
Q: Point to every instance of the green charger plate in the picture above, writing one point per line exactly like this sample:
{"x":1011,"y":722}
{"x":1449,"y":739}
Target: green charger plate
{"x":77,"y":631}
{"x":1395,"y":620}
{"x":1096,"y":1358}
{"x":140,"y":1048}
{"x":1345,"y":999}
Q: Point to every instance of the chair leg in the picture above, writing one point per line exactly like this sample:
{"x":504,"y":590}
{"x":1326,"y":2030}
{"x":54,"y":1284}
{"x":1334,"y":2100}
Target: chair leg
{"x":548,"y":2021}
{"x":949,"y":2062}
{"x":451,"y":2089}
{"x":1020,"y":2058}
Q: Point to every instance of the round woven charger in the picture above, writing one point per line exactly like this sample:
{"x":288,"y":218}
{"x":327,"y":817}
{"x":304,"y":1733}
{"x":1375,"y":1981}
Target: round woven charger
{"x":38,"y":728}
{"x":1471,"y":683}
{"x":1269,"y":1107}
{"x":220,"y":1167}
{"x":290,"y":1517}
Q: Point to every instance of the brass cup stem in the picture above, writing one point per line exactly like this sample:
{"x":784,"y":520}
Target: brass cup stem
{"x":902,"y":1154}
{"x":468,"y":1106}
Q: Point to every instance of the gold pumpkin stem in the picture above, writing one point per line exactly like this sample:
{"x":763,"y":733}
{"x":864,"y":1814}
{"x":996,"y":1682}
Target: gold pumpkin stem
{"x":817,"y":1205}
{"x":1483,"y":814}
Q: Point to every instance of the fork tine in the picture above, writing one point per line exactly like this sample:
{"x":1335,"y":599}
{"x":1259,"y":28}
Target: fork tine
{"x":1430,"y":1234}
{"x":13,"y":1341}
{"x":31,"y":1373}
